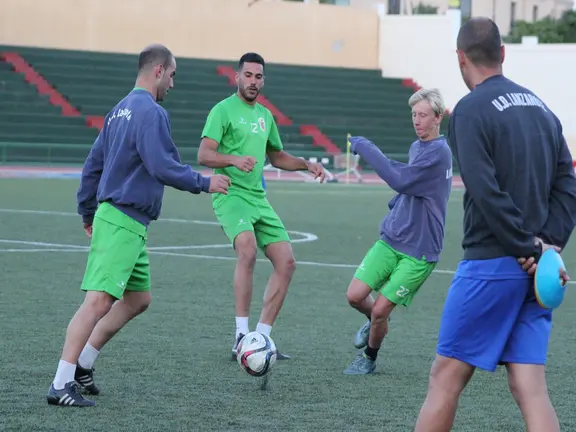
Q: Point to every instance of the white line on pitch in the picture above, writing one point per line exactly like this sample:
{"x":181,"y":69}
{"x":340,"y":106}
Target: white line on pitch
{"x":224,"y":258}
{"x":40,"y":250}
{"x":34,"y":243}
{"x":167,"y":248}
{"x":159,"y":250}
{"x":306,"y":237}
{"x":298,"y":262}
{"x":86,"y":248}
{"x":60,"y":213}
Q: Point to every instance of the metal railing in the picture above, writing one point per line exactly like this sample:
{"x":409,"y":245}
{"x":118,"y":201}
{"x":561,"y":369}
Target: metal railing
{"x":58,"y":153}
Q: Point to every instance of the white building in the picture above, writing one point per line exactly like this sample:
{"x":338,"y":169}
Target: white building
{"x":503,"y":12}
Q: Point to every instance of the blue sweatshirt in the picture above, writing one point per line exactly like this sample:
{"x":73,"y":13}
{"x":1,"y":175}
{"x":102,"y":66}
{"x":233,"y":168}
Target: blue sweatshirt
{"x":517,"y":170}
{"x":132,"y":160}
{"x":416,"y":221}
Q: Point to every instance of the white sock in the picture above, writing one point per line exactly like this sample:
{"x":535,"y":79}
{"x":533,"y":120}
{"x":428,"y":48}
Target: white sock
{"x":242,"y":326}
{"x":265,"y":329}
{"x":64,"y":374}
{"x":88,"y":356}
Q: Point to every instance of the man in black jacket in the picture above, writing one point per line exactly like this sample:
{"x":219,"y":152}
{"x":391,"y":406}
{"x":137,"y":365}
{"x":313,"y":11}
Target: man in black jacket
{"x":520,"y":200}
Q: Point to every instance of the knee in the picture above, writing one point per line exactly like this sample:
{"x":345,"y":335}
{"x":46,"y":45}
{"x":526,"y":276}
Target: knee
{"x":282,"y":258}
{"x":137,"y":302}
{"x":142,"y":304}
{"x":286,"y":266}
{"x":354,"y":298}
{"x":98,"y":302}
{"x":437,"y":373}
{"x":526,"y":382}
{"x":246,"y":251}
{"x":516,"y":390}
{"x":449,"y":376}
{"x":380,"y":313}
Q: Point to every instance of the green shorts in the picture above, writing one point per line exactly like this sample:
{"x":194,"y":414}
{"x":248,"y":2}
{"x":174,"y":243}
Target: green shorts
{"x":118,"y":260}
{"x":237,"y":214}
{"x":396,"y":276}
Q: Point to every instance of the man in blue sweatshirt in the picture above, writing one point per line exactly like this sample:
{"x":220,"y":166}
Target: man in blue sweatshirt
{"x":411,"y":235}
{"x":121,"y":191}
{"x":520,"y":199}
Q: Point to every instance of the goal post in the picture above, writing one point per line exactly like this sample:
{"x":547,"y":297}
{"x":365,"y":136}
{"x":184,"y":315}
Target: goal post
{"x":301,"y":175}
{"x":344,"y":168}
{"x":348,"y":163}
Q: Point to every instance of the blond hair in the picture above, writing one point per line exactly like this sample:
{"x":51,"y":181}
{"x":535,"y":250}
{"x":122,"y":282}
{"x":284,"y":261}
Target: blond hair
{"x":432,"y":96}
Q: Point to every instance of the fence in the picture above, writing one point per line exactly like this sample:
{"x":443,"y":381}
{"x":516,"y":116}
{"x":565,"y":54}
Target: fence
{"x":56,"y":154}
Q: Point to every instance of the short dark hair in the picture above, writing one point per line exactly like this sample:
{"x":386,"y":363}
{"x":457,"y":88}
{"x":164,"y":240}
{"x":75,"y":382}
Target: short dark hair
{"x":479,"y":39}
{"x":154,"y":55}
{"x":251,"y":58}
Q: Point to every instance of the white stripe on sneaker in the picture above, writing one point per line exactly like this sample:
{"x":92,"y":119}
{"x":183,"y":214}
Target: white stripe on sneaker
{"x":85,"y":380}
{"x":66,"y":400}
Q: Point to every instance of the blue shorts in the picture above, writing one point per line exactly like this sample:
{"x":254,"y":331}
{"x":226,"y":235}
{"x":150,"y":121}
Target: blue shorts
{"x":491,"y":316}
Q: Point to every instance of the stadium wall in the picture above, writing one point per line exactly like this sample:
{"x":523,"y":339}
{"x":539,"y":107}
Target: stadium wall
{"x":421,"y":48}
{"x":285,"y":32}
{"x":424,"y":49}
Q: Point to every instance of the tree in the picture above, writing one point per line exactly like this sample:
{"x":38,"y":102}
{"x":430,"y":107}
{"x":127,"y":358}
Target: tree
{"x":548,"y":30}
{"x":423,"y":9}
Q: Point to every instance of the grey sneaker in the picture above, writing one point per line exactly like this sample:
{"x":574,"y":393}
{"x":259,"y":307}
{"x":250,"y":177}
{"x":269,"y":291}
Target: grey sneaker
{"x":69,"y":396}
{"x":362,"y":365}
{"x":361,"y":337}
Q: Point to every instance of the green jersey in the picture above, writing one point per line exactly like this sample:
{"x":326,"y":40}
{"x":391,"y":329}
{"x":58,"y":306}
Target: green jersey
{"x":241,"y":129}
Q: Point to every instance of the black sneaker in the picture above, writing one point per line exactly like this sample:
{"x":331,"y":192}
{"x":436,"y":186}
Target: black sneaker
{"x":85,"y":379}
{"x":235,"y":347}
{"x":68,"y":396}
{"x":280,"y":356}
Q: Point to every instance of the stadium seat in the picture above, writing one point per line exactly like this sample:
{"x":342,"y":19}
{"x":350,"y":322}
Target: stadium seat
{"x":337,"y":101}
{"x":28,"y":117}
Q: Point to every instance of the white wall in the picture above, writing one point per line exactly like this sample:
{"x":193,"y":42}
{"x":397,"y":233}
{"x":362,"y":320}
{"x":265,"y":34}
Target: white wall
{"x":287,"y":32}
{"x":424,"y":48}
{"x":499,"y":10}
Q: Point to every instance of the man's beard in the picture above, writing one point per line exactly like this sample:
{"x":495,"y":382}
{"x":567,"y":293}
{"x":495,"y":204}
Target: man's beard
{"x":249,"y":98}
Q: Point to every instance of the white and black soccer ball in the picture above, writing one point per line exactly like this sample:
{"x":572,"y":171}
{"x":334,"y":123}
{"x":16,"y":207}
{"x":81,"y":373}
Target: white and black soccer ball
{"x":256,"y":354}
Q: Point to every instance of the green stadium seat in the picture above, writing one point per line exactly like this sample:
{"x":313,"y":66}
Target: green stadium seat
{"x":28,"y":117}
{"x":336,"y":100}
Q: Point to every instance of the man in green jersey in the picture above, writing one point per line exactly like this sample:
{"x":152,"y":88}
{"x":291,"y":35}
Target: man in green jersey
{"x":238,"y":135}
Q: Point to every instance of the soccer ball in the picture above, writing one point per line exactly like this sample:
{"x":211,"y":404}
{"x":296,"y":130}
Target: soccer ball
{"x":256,"y":354}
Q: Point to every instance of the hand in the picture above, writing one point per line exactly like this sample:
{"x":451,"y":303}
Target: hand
{"x":564,"y":277}
{"x":354,"y":141}
{"x":317,"y":170}
{"x":88,"y":229}
{"x":245,"y":163}
{"x":529,"y":265}
{"x":219,"y":184}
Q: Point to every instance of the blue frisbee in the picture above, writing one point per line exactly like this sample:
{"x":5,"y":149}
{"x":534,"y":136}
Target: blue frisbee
{"x":547,"y":281}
